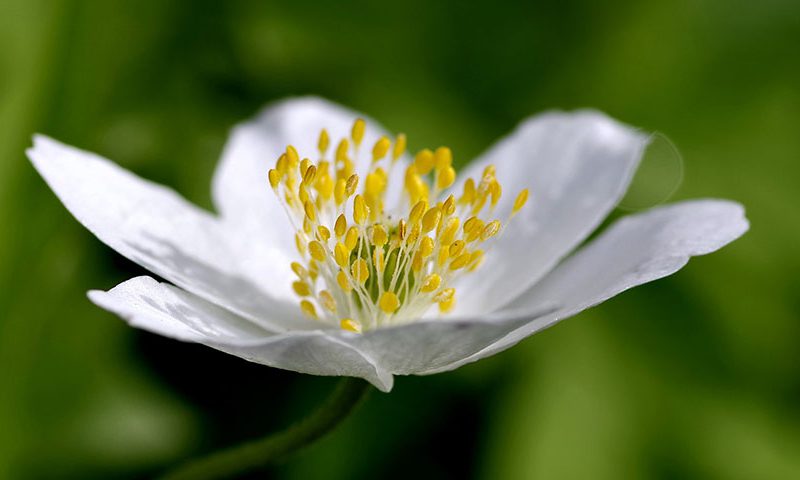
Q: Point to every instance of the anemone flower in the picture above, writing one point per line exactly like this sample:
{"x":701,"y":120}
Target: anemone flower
{"x":334,"y":252}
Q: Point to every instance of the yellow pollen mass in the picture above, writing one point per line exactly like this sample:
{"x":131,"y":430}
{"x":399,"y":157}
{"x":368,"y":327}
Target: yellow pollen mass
{"x":400,"y":256}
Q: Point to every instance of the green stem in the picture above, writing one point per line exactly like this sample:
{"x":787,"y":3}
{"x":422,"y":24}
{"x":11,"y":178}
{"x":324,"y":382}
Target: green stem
{"x":258,"y":454}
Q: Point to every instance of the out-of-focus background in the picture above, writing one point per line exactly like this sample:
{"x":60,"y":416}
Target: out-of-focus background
{"x":694,"y":376}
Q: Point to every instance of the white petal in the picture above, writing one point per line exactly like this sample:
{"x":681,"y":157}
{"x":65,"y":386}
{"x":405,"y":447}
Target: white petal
{"x":576,"y":166}
{"x":431,"y":344}
{"x":635,"y":250}
{"x":374,"y":356}
{"x":161,"y":308}
{"x":156,"y":228}
{"x":166,"y":310}
{"x":241,"y":190}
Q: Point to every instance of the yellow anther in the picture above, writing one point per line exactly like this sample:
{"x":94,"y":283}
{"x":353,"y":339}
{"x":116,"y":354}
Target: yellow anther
{"x":417,"y":211}
{"x":446,"y":177}
{"x":495,"y":191}
{"x":282,"y":165}
{"x":310,"y":174}
{"x":475,"y":232}
{"x":316,"y":250}
{"x":374,"y":184}
{"x":444,"y":254}
{"x":327,"y":300}
{"x":520,"y":201}
{"x":489,"y":171}
{"x":378,"y":259}
{"x":469,"y":192}
{"x":445,"y":295}
{"x":302,"y":193}
{"x":417,"y":262}
{"x":308,"y":308}
{"x":360,"y":210}
{"x":313,"y":269}
{"x":389,"y":302}
{"x":380,"y":149}
{"x":299,"y":270}
{"x":443,"y":158}
{"x":301,"y":288}
{"x":431,"y":219}
{"x":341,"y":280}
{"x":357,"y":132}
{"x":351,"y":238}
{"x":426,"y":247}
{"x":323,"y":233}
{"x":307,"y":227}
{"x":300,"y":244}
{"x":379,"y":235}
{"x":325,"y":186}
{"x":308,"y":207}
{"x":475,"y":260}
{"x":448,"y":234}
{"x":490,"y":230}
{"x":456,"y":248}
{"x":360,"y":270}
{"x":471,"y":224}
{"x":402,"y":226}
{"x":341,"y":254}
{"x":460,"y":261}
{"x":274,"y":178}
{"x":304,"y":166}
{"x":291,"y":156}
{"x":341,"y":150}
{"x":424,"y":162}
{"x":351,"y":185}
{"x":399,"y":146}
{"x":340,"y":226}
{"x":350,"y":325}
{"x":339,"y":191}
{"x":323,"y":142}
{"x":447,"y":306}
{"x":431,"y":283}
{"x":413,"y":234}
{"x":449,"y":206}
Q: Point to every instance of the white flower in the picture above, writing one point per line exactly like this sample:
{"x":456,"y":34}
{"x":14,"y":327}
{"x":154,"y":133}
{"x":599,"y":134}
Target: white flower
{"x":232,"y":285}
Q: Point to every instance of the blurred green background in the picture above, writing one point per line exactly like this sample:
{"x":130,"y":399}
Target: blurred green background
{"x":694,"y":376}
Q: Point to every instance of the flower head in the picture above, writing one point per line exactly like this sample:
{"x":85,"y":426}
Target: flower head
{"x":364,"y":264}
{"x":305,"y":254}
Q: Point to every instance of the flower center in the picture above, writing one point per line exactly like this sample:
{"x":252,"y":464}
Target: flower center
{"x":363,"y":266}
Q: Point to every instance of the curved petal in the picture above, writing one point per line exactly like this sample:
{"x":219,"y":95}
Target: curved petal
{"x":158,"y":229}
{"x":577,"y":166}
{"x":240,"y":188}
{"x":166,"y":310}
{"x":635,"y":250}
{"x":431,"y":344}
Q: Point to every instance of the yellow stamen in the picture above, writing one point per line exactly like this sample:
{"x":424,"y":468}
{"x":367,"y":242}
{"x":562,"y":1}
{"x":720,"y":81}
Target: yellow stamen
{"x":350,"y":325}
{"x":357,"y":132}
{"x":389,"y":302}
{"x":393,"y":262}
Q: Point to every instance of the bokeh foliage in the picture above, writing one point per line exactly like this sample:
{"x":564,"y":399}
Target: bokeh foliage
{"x":695,"y":376}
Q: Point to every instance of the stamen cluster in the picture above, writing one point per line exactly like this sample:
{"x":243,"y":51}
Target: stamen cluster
{"x":363,"y":267}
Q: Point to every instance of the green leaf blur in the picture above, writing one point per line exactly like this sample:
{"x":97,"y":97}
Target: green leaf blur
{"x":694,"y":376}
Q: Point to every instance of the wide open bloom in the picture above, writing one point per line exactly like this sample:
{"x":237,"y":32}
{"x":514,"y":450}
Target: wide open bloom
{"x":335,"y":253}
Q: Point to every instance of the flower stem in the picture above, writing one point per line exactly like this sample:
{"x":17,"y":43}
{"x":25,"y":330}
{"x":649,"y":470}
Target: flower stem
{"x":257,"y":454}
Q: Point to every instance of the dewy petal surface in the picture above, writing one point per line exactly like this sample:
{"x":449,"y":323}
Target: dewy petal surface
{"x":158,"y":229}
{"x":637,"y":249}
{"x":577,"y":167}
{"x":240,"y":189}
{"x":167,"y":310}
